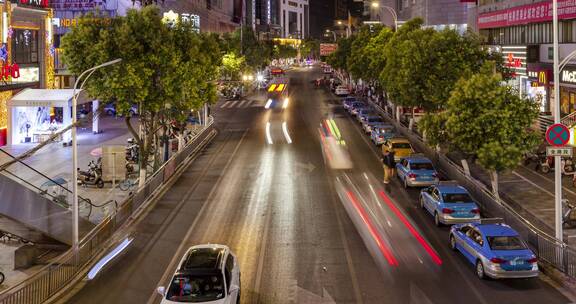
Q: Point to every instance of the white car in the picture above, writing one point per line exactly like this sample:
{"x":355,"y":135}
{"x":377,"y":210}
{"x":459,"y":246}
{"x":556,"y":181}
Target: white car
{"x":341,"y":91}
{"x":206,"y":274}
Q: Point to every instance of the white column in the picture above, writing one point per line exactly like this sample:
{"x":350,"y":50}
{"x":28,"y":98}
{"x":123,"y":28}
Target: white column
{"x":95,"y":116}
{"x":12,"y":126}
{"x":66,"y":121}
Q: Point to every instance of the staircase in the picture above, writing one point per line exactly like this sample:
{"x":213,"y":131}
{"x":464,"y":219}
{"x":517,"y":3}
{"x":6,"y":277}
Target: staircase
{"x":569,"y":120}
{"x":36,"y":207}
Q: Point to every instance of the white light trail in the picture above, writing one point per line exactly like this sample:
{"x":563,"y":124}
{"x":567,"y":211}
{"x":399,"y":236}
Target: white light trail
{"x":109,"y":257}
{"x":268,"y":104}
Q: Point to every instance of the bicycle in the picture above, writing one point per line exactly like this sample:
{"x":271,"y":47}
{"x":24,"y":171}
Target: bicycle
{"x":128,"y":184}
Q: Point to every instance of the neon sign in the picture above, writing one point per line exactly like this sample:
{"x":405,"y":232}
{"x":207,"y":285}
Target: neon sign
{"x":9,"y":71}
{"x":36,"y":3}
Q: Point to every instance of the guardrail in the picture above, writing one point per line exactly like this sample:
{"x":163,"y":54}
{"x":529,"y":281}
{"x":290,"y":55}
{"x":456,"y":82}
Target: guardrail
{"x":546,"y":247}
{"x":57,"y":275}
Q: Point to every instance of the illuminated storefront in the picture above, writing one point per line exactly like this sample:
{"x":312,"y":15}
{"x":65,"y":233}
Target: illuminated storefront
{"x":25,"y":53}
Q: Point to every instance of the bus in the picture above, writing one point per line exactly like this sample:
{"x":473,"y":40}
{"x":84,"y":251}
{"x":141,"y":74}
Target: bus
{"x":278,"y":93}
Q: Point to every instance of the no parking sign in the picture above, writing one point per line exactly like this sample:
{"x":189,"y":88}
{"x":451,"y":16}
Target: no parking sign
{"x":557,"y":135}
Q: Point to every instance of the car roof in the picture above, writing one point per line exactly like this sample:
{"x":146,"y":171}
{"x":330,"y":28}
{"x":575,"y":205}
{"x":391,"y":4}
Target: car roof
{"x":203,"y":257}
{"x":451,"y":189}
{"x":418,"y":159}
{"x":495,"y":229}
{"x":399,"y":139}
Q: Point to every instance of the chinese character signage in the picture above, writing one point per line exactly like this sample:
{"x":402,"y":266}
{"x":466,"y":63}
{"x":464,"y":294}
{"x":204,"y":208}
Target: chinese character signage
{"x":539,"y":12}
{"x":327,"y":48}
{"x":35,"y":3}
{"x":83,"y":5}
{"x":515,"y":59}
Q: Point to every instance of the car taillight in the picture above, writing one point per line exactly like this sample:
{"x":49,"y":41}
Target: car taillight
{"x":532,"y":260}
{"x":411,"y":175}
{"x":475,"y":211}
{"x":497,"y":260}
{"x":447,"y":211}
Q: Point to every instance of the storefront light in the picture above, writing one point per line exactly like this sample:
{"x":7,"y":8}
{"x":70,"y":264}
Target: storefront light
{"x":4,"y":27}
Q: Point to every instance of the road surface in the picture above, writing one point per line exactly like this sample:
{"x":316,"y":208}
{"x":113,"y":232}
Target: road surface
{"x":303,"y":233}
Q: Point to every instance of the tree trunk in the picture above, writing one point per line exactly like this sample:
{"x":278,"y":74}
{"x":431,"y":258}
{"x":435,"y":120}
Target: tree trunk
{"x":411,"y":121}
{"x":494,"y":181}
{"x":466,"y":167}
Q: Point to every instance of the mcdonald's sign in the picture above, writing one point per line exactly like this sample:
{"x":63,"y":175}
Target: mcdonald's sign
{"x":543,"y":78}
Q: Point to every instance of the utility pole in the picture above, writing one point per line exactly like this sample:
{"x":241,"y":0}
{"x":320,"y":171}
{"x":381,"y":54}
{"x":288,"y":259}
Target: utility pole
{"x":557,"y":159}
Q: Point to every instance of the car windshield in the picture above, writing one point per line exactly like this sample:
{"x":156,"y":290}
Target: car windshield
{"x":401,"y":145}
{"x":506,"y":243}
{"x":456,"y":198}
{"x":196,"y":288}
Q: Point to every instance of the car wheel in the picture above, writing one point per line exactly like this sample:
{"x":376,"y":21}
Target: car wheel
{"x":480,"y":270}
{"x":452,"y":243}
{"x":437,"y":220}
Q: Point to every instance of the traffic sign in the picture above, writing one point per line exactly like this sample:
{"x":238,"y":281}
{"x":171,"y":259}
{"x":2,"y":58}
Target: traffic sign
{"x":553,"y":151}
{"x":557,"y":135}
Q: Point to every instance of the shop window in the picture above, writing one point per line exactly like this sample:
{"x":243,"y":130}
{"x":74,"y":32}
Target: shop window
{"x":25,"y":46}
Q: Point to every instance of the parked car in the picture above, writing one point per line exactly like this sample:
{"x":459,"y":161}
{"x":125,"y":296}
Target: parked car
{"x":449,"y":204}
{"x":206,"y":274}
{"x":370,"y":122}
{"x":342,"y":91}
{"x":110,"y":109}
{"x":356,"y":107}
{"x":382,"y":133}
{"x":401,"y":147}
{"x":416,"y":171}
{"x":347,"y":102}
{"x":496,"y":250}
{"x":365,"y":112}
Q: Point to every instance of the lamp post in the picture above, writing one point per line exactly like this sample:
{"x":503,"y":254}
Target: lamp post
{"x":392,"y":12}
{"x":333,"y":33}
{"x":557,"y":159}
{"x":75,"y":149}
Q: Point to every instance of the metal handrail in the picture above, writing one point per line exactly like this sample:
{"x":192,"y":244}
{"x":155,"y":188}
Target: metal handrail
{"x":41,"y":174}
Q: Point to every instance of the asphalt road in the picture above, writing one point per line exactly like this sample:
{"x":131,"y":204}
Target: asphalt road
{"x":303,"y":233}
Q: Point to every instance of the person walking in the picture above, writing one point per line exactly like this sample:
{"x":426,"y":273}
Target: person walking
{"x":389,"y":165}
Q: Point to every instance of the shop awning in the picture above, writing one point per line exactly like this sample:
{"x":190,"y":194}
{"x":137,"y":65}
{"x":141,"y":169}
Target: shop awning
{"x":47,"y":98}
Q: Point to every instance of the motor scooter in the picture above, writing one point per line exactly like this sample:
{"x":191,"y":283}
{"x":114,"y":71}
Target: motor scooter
{"x":546,"y":164}
{"x":92,"y":177}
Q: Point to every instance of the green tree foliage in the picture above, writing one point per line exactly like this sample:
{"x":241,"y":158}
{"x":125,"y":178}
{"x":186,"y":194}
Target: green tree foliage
{"x":257,"y":53}
{"x":232,"y":66}
{"x":165,"y":70}
{"x":339,"y":59}
{"x":489,"y":121}
{"x":374,"y":52}
{"x":359,"y":59}
{"x":282,"y":51}
{"x":310,"y":49}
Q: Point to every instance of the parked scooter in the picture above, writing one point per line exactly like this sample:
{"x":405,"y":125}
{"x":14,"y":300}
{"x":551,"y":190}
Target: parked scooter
{"x":546,"y":164}
{"x":92,"y":177}
{"x":568,"y":214}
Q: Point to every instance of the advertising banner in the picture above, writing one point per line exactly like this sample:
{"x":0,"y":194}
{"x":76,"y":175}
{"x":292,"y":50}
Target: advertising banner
{"x":327,"y":48}
{"x":84,"y":5}
{"x":532,"y":13}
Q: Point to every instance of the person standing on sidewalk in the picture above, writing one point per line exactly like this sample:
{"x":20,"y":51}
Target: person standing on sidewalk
{"x":389,"y":165}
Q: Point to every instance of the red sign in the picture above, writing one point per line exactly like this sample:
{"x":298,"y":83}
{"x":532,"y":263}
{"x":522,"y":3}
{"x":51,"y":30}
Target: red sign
{"x":557,"y":135}
{"x":36,"y":3}
{"x":277,"y":71}
{"x":9,"y":70}
{"x":531,"y":13}
{"x":327,"y":48}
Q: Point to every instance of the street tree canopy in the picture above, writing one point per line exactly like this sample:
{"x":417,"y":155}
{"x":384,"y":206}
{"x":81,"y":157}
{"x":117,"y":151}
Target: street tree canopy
{"x":490,"y":121}
{"x":165,"y":70}
{"x":360,"y":55}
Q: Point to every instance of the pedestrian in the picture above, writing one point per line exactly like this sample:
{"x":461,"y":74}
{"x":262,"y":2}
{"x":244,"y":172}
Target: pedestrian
{"x":389,"y":165}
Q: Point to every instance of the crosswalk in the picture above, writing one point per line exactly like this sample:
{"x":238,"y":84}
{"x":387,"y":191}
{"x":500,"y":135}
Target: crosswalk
{"x":229,"y":104}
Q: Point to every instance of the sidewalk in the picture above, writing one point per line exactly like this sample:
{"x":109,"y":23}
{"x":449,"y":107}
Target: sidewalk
{"x":55,"y":160}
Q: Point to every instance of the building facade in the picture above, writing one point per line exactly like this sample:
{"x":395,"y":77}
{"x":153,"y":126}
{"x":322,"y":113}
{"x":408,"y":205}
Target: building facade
{"x":437,"y":14}
{"x":278,"y":18}
{"x":26,"y":55}
{"x":522,"y":31}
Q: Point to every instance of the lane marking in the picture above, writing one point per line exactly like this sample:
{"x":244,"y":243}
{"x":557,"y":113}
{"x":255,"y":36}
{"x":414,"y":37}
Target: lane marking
{"x":179,"y":252}
{"x":286,"y":135}
{"x":241,"y":105}
{"x":225,"y":104}
{"x":268,"y":136}
{"x":262,"y":253}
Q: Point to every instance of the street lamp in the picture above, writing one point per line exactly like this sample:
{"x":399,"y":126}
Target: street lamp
{"x":392,"y":12}
{"x":333,"y":33}
{"x":75,"y":208}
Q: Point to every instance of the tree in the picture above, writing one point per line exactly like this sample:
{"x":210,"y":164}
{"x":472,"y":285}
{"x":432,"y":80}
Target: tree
{"x":373,"y":51}
{"x":359,"y":58}
{"x":283,"y":51}
{"x":232,"y":66}
{"x":257,"y":53}
{"x":310,"y":49}
{"x":490,"y":122}
{"x":165,"y":70}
